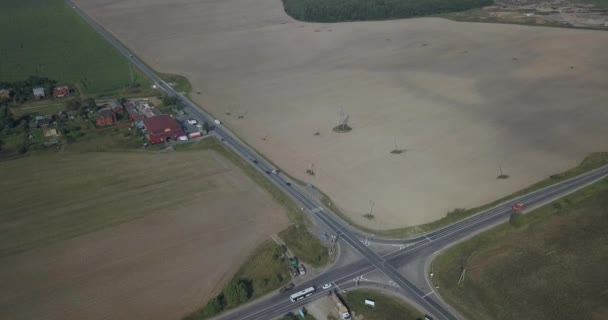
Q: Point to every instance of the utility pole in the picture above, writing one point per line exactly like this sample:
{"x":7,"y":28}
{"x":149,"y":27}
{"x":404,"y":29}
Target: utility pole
{"x":371,"y":210}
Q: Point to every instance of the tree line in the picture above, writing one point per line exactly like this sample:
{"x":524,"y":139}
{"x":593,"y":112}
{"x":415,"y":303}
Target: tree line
{"x":358,"y":10}
{"x":21,"y":91}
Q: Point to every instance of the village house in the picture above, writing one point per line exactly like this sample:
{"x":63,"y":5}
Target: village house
{"x":162,"y":128}
{"x":4,"y":94}
{"x":105,"y":117}
{"x":39,"y":93}
{"x":133,"y":112}
{"x":115,"y":106}
{"x":42,"y":121}
{"x":72,"y":115}
{"x":62,"y":91}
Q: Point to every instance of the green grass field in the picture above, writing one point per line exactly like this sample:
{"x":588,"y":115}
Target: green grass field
{"x":553,"y":266}
{"x":597,"y":3}
{"x":46,"y":38}
{"x":305,"y":246}
{"x":387,"y":307}
{"x":42,"y":107}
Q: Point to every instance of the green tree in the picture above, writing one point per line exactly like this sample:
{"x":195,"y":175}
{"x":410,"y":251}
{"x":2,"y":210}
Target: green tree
{"x":277,"y":252}
{"x":206,"y":126}
{"x":169,"y":100}
{"x":90,"y":103}
{"x":73,"y":104}
{"x":6,"y":119}
{"x":236,"y":293}
{"x":214,"y":306}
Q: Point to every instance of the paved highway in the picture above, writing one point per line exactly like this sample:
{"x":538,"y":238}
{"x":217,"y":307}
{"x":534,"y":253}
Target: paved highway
{"x":420,"y":247}
{"x":311,"y":205}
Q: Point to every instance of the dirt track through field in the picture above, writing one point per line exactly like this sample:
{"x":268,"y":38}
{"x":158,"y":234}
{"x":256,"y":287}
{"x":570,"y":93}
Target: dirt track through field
{"x":462,"y":99}
{"x":188,"y":222}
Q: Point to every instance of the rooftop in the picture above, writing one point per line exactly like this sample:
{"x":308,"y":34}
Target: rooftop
{"x":161,"y":123}
{"x":38,"y":91}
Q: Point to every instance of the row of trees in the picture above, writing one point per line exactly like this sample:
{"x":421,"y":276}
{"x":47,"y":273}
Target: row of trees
{"x":237,"y":292}
{"x":21,"y":91}
{"x":357,"y":10}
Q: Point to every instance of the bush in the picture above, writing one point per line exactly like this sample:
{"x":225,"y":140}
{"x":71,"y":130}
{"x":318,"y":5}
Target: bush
{"x":517,"y":219}
{"x":214,"y":306}
{"x":236,"y":293}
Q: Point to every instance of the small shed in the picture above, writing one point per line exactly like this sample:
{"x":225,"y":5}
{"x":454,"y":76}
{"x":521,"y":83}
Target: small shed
{"x":38,"y":93}
{"x":4,"y":94}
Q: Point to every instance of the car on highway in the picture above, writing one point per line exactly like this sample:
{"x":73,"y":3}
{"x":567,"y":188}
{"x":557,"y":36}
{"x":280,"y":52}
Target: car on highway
{"x":218,"y":122}
{"x":192,"y":121}
{"x":518,"y":206}
{"x":275,"y":171}
{"x":326,"y":286}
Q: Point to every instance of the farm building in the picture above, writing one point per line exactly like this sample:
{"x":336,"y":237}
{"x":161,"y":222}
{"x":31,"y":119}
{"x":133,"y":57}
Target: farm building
{"x":4,"y":94}
{"x":105,"y":117}
{"x":42,"y":121}
{"x":162,"y":128}
{"x":133,"y":112}
{"x":38,"y":93}
{"x":61,"y":91}
{"x":115,"y":106}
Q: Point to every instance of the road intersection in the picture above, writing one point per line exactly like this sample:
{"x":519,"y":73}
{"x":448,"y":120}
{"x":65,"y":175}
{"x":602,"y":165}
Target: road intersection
{"x":417,"y":250}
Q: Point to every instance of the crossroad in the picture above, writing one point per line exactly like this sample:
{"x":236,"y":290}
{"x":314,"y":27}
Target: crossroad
{"x":420,"y":246}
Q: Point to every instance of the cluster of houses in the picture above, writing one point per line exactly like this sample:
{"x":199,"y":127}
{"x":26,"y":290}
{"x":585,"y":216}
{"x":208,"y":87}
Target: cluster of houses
{"x":157,"y":127}
{"x":40,"y":92}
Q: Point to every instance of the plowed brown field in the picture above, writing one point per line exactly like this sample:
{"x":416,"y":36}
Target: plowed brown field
{"x":124,"y":235}
{"x":461,"y":98}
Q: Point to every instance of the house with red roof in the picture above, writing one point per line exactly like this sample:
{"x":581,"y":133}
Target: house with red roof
{"x":62,"y":91}
{"x":162,"y":128}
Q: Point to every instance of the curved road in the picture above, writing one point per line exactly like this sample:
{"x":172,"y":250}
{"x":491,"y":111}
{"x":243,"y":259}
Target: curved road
{"x":420,"y":247}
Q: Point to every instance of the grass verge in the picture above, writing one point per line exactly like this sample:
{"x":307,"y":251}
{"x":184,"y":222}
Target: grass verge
{"x":387,"y":307}
{"x":264,"y":271}
{"x":593,"y":161}
{"x":547,"y":264}
{"x":179,"y":83}
{"x":305,"y":246}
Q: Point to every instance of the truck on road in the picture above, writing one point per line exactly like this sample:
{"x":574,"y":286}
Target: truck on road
{"x":340,"y":307}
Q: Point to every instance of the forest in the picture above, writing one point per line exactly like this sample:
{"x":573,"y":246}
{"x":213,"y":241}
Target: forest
{"x":360,"y":10}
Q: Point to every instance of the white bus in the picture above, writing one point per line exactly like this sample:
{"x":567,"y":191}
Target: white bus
{"x":302,"y":294}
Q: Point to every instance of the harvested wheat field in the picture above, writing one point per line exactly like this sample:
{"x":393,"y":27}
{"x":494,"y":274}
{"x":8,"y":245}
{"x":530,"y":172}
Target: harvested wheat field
{"x":124,"y":235}
{"x":459,"y":99}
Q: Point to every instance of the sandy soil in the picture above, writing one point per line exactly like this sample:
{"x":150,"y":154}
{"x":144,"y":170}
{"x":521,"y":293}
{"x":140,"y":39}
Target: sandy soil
{"x":462,"y":98}
{"x":161,"y":264}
